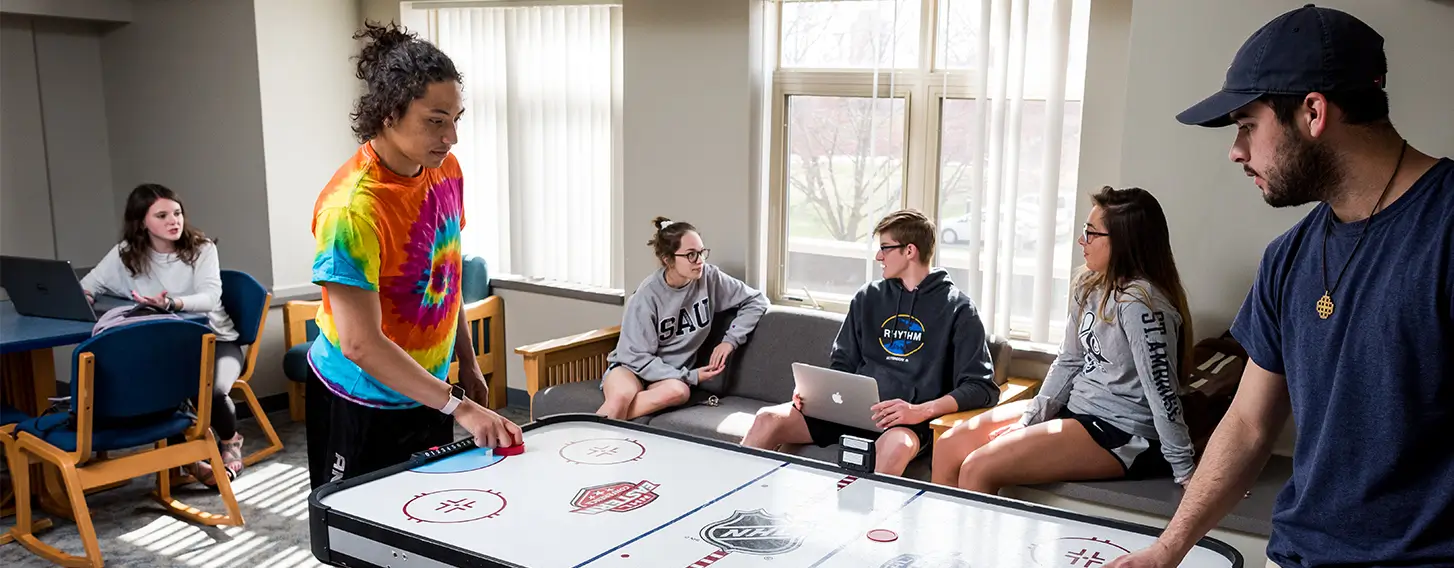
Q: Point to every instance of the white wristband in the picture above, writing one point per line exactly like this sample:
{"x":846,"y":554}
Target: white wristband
{"x":450,"y":406}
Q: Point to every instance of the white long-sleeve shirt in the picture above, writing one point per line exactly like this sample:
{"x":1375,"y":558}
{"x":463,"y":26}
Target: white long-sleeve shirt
{"x":197,"y":287}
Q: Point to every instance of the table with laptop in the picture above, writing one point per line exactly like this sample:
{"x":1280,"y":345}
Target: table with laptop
{"x":47,"y":309}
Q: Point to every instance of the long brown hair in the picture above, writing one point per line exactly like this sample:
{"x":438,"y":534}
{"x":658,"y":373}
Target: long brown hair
{"x":136,"y":241}
{"x":1140,"y":250}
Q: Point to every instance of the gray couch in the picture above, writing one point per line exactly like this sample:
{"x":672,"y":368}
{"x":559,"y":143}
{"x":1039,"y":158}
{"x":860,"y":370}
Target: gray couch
{"x":758,"y":374}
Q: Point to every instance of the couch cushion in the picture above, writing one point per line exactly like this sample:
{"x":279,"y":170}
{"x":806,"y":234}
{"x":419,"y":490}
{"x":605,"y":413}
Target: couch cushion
{"x":728,"y":421}
{"x":582,"y":396}
{"x":783,"y":336}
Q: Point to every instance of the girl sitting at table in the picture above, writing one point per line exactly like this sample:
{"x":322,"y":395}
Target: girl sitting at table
{"x":163,"y":262}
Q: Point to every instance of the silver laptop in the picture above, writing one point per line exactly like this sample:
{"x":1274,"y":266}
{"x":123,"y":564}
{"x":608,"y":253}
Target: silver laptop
{"x":44,"y":288}
{"x":836,"y":396}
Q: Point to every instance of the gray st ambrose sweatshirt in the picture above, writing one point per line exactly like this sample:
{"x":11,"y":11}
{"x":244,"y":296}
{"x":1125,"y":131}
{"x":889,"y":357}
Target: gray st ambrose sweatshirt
{"x":1123,"y":370}
{"x":664,"y":327}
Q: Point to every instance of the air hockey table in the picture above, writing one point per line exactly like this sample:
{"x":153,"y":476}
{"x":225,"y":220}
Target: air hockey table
{"x":594,"y":492}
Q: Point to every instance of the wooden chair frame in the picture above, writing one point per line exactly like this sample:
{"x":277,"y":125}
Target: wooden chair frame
{"x":297,"y":314}
{"x":81,"y":471}
{"x":243,"y":383}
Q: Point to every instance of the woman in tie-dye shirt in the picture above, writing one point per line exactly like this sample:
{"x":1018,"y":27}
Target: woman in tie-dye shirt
{"x":388,"y":258}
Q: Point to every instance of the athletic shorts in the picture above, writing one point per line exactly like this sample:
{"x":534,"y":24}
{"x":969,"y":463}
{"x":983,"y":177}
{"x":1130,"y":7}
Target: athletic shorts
{"x":346,"y":440}
{"x":825,"y":433}
{"x":1140,"y":458}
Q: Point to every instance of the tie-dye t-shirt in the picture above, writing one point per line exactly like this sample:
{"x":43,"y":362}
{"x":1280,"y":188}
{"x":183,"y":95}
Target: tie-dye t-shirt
{"x":398,"y":236}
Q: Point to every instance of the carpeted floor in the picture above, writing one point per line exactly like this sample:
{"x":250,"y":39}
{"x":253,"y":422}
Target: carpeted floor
{"x":134,"y":531}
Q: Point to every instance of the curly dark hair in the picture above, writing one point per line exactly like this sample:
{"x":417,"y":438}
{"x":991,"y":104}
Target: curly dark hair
{"x":397,"y":67}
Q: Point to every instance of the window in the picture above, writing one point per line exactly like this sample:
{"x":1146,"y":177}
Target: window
{"x":967,"y":110}
{"x":539,"y":137}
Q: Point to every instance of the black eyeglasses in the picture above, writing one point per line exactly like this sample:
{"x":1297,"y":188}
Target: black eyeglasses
{"x":887,"y":248}
{"x":696,"y":255}
{"x":1086,"y":233}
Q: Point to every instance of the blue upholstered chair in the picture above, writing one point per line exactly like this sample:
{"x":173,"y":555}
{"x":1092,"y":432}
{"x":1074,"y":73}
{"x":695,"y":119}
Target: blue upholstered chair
{"x":246,"y":301}
{"x":129,"y":388}
{"x":484,"y":312}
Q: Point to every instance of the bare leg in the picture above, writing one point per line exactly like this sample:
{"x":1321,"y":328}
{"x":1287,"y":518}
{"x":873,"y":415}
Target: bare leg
{"x":966,"y":437}
{"x":658,"y":395}
{"x":775,"y":426}
{"x":1058,"y":450}
{"x":620,"y":385}
{"x":893,"y":451}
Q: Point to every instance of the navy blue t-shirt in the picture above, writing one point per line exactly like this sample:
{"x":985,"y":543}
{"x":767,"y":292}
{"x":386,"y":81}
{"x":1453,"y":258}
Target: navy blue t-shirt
{"x":1372,"y":387}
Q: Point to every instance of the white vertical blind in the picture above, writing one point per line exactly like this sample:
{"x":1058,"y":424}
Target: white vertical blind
{"x":538,"y":135}
{"x":1002,"y":53}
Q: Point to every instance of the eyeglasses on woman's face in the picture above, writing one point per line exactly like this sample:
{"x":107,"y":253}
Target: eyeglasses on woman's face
{"x":1086,"y":234}
{"x":695,"y":256}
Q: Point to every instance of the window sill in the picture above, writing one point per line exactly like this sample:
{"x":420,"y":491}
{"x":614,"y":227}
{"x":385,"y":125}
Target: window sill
{"x":558,"y":289}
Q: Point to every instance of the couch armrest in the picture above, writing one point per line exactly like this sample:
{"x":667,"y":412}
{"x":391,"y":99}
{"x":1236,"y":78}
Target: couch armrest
{"x":1014,"y":389}
{"x":580,"y":357}
{"x":296,"y":315}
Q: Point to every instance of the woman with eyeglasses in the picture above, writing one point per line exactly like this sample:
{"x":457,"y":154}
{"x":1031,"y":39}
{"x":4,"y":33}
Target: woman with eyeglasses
{"x":668,"y":319}
{"x":1108,"y":407}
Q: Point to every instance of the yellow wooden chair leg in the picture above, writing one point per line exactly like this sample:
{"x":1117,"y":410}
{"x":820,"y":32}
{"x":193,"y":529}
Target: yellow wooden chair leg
{"x":25,"y":535}
{"x":206,"y":448}
{"x":21,"y":496}
{"x":275,"y":444}
{"x":296,"y":401}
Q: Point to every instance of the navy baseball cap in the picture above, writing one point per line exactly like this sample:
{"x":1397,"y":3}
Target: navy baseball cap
{"x":1307,"y":50}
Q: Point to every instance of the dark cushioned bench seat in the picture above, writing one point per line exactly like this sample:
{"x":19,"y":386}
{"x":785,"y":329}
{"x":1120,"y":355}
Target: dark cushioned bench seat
{"x":1160,"y":497}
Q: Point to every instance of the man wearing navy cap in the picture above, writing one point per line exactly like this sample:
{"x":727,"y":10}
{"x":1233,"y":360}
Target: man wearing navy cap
{"x":1350,"y":323}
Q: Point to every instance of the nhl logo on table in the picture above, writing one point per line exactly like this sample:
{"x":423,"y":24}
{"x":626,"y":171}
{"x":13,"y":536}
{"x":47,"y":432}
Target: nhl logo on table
{"x":753,"y":532}
{"x":615,"y":497}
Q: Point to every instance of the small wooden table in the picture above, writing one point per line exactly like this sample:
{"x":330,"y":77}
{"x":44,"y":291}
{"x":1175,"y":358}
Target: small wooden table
{"x":1014,"y":389}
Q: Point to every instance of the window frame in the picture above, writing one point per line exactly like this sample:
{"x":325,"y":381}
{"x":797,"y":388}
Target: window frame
{"x":924,"y":89}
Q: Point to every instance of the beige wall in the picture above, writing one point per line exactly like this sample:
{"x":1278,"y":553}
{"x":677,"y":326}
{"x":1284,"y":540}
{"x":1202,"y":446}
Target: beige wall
{"x":688,"y":126}
{"x":183,"y":110}
{"x":307,"y":88}
{"x":53,"y":121}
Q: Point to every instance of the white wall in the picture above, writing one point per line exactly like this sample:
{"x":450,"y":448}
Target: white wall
{"x":183,"y":110}
{"x":1180,"y":50}
{"x":307,"y":91}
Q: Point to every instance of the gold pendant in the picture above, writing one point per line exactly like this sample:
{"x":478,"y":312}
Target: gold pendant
{"x":1325,"y":306}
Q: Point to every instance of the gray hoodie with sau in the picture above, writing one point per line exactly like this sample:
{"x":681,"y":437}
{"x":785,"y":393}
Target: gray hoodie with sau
{"x":664,"y":327}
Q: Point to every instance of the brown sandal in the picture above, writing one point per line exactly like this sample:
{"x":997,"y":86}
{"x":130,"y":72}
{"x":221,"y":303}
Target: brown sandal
{"x":232,"y":456}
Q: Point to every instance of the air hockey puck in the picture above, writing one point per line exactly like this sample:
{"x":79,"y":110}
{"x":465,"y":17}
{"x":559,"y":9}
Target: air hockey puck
{"x":882,"y":535}
{"x":514,"y":450}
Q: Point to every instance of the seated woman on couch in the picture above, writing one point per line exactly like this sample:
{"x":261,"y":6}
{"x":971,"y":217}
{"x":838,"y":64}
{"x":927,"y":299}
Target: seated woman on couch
{"x":666,"y":322}
{"x":1108,"y":407}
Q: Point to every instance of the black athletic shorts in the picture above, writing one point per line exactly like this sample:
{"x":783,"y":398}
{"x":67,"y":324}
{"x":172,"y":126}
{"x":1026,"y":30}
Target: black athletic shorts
{"x":347,"y":440}
{"x":1140,"y":458}
{"x":825,"y":433}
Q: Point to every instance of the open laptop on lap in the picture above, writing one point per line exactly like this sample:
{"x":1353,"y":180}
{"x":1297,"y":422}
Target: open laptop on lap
{"x":836,"y":396}
{"x":45,"y":288}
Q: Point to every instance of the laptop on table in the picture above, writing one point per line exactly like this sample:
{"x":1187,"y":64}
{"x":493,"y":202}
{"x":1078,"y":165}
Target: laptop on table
{"x":45,"y":288}
{"x":836,"y":396}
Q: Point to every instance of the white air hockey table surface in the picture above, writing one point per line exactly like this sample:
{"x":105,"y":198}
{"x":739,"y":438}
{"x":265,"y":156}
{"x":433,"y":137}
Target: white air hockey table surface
{"x":593,"y":492}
